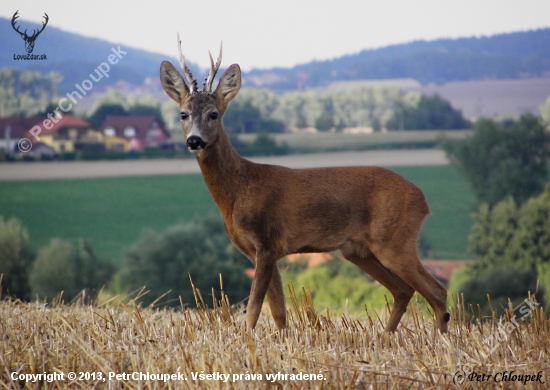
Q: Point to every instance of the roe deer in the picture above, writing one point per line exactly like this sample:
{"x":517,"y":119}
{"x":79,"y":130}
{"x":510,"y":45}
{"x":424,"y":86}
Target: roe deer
{"x":371,"y":214}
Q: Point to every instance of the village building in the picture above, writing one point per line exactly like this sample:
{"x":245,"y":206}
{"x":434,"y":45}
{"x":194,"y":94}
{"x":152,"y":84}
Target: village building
{"x":67,"y":134}
{"x":13,"y":129}
{"x":133,"y":132}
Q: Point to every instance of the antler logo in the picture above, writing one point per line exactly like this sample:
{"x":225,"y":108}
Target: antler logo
{"x":29,"y":40}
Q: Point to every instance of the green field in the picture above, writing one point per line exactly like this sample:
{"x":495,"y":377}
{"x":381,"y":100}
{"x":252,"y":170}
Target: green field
{"x":112,"y":212}
{"x":451,"y":201}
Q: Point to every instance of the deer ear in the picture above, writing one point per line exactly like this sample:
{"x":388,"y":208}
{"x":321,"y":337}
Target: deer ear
{"x":172,"y":82}
{"x":229,"y":85}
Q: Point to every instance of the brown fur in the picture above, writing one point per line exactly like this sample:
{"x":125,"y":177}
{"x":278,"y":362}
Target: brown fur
{"x":371,"y":214}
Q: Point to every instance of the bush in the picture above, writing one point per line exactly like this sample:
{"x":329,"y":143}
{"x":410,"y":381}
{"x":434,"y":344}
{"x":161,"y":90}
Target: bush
{"x":15,"y":259}
{"x":62,"y":267}
{"x":324,"y":122}
{"x":431,"y":113}
{"x":243,"y":117}
{"x":199,"y":250}
{"x":458,"y":278}
{"x":263,"y":145}
{"x":500,"y":284}
{"x":336,"y":284}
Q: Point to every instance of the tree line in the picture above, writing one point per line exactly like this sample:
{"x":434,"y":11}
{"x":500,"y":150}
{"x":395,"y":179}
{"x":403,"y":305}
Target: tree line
{"x":26,"y":93}
{"x":506,"y":163}
{"x":361,"y":106}
{"x":253,"y":111}
{"x":165,"y":264}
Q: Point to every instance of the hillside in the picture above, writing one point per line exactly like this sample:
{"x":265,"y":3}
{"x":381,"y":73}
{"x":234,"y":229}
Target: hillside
{"x":76,"y":56}
{"x":505,"y":56}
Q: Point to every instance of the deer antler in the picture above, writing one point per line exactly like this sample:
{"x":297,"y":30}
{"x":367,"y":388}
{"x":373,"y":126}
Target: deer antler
{"x":34,"y":35}
{"x":15,"y":16}
{"x":213,"y":70}
{"x":188,"y":76}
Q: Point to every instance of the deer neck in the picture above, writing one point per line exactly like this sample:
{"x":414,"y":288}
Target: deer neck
{"x":221,"y":168}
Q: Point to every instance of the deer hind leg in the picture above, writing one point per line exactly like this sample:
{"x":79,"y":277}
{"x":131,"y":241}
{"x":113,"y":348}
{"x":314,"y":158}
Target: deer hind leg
{"x":265,"y":267}
{"x":401,"y":291}
{"x":406,"y":265}
{"x":276,"y":299}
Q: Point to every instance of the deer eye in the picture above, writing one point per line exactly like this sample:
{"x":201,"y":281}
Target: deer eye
{"x":184,"y":116}
{"x":213,"y":115}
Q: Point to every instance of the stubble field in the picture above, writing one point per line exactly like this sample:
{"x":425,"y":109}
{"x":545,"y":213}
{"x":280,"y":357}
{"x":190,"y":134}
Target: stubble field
{"x":122,"y":345}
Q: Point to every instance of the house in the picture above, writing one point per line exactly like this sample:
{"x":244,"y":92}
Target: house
{"x":13,"y":129}
{"x":133,"y":132}
{"x":442,"y":270}
{"x":66,"y":134}
{"x":60,"y":135}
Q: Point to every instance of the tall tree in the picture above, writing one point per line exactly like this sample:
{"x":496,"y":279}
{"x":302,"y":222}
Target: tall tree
{"x":545,"y":111}
{"x":26,"y":93}
{"x":99,"y":115}
{"x":431,"y":113}
{"x":243,"y":117}
{"x":199,"y":250}
{"x":512,"y":249}
{"x":501,"y":159}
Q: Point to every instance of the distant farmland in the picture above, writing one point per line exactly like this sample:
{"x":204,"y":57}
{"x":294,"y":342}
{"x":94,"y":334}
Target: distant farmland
{"x":478,"y":98}
{"x":490,"y":98}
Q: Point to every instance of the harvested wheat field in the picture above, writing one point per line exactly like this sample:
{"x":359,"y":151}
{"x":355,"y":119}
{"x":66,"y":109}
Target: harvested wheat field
{"x":122,"y":345}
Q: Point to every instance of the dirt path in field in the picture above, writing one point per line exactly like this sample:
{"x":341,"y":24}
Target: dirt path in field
{"x":89,"y":169}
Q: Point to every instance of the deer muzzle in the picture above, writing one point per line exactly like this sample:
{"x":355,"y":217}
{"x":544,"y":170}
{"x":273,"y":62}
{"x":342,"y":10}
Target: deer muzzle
{"x":195,"y":143}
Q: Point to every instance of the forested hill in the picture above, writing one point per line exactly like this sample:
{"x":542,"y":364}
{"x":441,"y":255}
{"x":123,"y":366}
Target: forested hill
{"x":504,"y":56}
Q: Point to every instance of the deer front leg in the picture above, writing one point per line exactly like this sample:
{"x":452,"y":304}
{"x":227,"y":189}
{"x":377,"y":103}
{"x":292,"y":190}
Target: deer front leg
{"x":262,"y":279}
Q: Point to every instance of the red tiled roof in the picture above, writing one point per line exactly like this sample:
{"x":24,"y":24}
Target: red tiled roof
{"x":66,"y":121}
{"x":19,"y":126}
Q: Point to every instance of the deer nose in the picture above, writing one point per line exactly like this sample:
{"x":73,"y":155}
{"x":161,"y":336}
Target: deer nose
{"x":195,"y":143}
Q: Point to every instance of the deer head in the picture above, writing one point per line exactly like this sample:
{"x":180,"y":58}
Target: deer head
{"x":29,"y":40}
{"x":201,"y":111}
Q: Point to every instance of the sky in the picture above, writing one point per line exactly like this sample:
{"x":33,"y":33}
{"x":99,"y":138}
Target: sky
{"x":281,"y":33}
